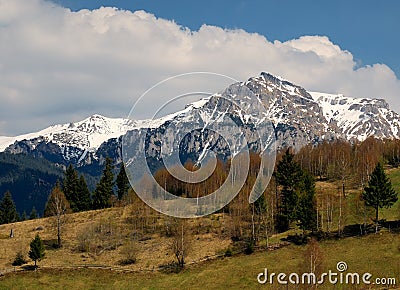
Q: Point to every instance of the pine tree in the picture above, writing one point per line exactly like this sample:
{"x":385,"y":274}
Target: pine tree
{"x":24,"y":216}
{"x":288,"y":175}
{"x":379,"y":192}
{"x":33,"y":215}
{"x":19,"y":259}
{"x":122,"y":182}
{"x":260,"y":205}
{"x":104,"y":189}
{"x":84,"y":195}
{"x":57,"y":207}
{"x":71,"y":187}
{"x":306,"y":211}
{"x":8,"y":210}
{"x":37,"y":251}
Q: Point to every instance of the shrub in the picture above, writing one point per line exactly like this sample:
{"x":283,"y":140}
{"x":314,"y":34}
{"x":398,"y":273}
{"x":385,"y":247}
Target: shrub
{"x":228,"y":252}
{"x":171,"y":268}
{"x":249,"y":247}
{"x":129,"y":253}
{"x":19,"y":259}
{"x":85,"y":240}
{"x":99,"y":237}
{"x":297,"y":239}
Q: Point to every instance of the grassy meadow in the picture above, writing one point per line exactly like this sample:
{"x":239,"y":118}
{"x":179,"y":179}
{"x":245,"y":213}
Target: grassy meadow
{"x":71,"y":268}
{"x":377,"y":254}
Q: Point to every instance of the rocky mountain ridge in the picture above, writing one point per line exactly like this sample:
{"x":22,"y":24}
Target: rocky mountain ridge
{"x":297,"y":116}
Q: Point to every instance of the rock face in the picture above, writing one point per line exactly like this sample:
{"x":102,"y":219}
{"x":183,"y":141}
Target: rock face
{"x":293,"y":115}
{"x":297,"y":117}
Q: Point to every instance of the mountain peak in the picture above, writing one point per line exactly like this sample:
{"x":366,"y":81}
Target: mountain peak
{"x":87,"y":134}
{"x":299,"y":118}
{"x":273,"y":78}
{"x":97,"y":116}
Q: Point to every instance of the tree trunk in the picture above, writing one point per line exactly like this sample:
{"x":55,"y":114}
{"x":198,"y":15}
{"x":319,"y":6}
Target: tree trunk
{"x":376,"y":219}
{"x":266,"y":234}
{"x":343,"y":189}
{"x":253,"y":234}
{"x":183,"y":251}
{"x":340,"y":216}
{"x":59,"y":232}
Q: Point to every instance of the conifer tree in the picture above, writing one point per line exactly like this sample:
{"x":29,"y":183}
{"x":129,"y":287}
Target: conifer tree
{"x":37,"y":251}
{"x":71,"y":187}
{"x":288,"y":176}
{"x":33,"y":215}
{"x":260,"y":203}
{"x":24,"y":216}
{"x":379,"y":192}
{"x":8,"y":210}
{"x":306,"y":211}
{"x":84,"y":195}
{"x":122,"y":182}
{"x":104,"y":189}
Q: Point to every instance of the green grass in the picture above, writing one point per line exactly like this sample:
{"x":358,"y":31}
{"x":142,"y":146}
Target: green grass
{"x":378,"y":254}
{"x":350,"y":205}
{"x":394,"y":176}
{"x":393,"y":213}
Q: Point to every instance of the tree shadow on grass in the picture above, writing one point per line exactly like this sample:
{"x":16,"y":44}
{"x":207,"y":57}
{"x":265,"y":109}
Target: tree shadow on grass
{"x":28,"y":267}
{"x":392,"y":226}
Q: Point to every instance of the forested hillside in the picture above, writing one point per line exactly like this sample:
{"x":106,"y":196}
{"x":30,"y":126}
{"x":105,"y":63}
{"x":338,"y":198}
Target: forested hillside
{"x":29,"y":179}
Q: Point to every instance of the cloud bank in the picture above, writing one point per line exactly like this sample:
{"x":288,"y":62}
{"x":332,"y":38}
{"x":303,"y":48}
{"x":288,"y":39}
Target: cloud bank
{"x":59,"y":66}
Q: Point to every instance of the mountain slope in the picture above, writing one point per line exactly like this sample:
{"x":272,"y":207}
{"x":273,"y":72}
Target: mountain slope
{"x":29,"y":180}
{"x":298,"y":117}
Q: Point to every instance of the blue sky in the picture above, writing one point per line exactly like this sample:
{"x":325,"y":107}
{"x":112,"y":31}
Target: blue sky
{"x":368,"y":29}
{"x":64,"y":60}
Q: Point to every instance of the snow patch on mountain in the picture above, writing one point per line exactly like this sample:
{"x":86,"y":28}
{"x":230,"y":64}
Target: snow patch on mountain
{"x":359,"y":118}
{"x":88,"y":134}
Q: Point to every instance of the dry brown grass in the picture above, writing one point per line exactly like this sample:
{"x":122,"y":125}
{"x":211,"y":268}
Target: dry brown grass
{"x":152,"y":250}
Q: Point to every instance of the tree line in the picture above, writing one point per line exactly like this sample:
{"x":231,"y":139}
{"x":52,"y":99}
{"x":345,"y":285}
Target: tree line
{"x":350,"y":163}
{"x":73,"y":193}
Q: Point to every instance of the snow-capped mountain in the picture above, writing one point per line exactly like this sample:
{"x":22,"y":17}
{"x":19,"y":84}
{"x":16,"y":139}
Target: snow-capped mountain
{"x":74,"y":140}
{"x":359,"y":118}
{"x":88,"y":134}
{"x":298,"y":117}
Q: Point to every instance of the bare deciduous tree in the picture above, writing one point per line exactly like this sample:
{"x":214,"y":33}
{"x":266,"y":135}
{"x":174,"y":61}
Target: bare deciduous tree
{"x":181,"y":241}
{"x":57,"y":207}
{"x":312,"y":263}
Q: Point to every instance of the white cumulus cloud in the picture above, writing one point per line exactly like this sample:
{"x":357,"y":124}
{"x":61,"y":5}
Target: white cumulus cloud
{"x":59,"y":66}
